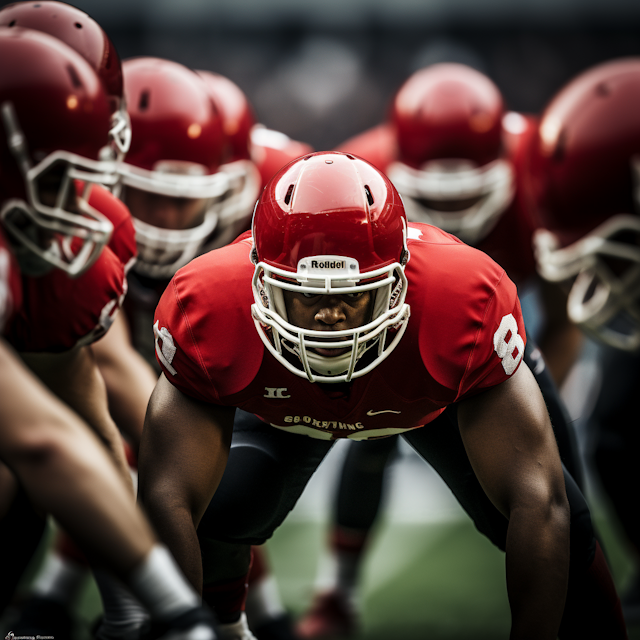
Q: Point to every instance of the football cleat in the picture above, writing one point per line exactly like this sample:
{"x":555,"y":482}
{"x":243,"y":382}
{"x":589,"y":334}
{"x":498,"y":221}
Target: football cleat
{"x":194,"y":624}
{"x":331,"y":616}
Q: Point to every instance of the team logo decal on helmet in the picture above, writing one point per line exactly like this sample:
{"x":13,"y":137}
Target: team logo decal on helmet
{"x":330,"y":224}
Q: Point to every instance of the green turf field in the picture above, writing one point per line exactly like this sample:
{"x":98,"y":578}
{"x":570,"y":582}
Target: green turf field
{"x":440,"y":581}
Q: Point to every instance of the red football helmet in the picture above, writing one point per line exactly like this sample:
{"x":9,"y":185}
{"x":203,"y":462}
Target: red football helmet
{"x":82,"y":33}
{"x":56,"y":118}
{"x":237,"y":115}
{"x":585,"y":172}
{"x":450,"y":169}
{"x":176,"y":151}
{"x":238,"y":122}
{"x":331,"y":224}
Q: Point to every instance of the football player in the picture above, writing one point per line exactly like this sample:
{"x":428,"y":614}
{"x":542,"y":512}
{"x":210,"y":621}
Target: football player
{"x":335,"y":318}
{"x":191,"y":185}
{"x":585,"y":172}
{"x":457,"y":158}
{"x":56,"y":119}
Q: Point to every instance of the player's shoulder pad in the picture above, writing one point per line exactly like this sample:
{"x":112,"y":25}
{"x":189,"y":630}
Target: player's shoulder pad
{"x":214,"y":348}
{"x":459,"y":300}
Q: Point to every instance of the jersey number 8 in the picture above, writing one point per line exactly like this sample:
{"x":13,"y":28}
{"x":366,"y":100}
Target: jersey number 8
{"x":508,"y":344}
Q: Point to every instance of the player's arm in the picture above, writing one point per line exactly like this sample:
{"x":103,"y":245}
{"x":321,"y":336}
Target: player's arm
{"x":183,"y":453}
{"x":510,"y":444}
{"x":129,"y":378}
{"x":560,"y":339}
{"x":74,"y":377}
{"x":66,"y":471}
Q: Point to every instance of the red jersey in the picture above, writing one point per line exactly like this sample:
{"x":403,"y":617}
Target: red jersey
{"x":60,"y":313}
{"x":465,"y":334}
{"x":123,"y":238}
{"x":10,"y":284}
{"x":509,"y":242}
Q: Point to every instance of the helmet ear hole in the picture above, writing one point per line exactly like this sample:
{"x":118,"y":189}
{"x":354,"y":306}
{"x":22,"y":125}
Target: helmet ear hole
{"x":287,"y":198}
{"x":143,"y":104}
{"x":369,"y":194}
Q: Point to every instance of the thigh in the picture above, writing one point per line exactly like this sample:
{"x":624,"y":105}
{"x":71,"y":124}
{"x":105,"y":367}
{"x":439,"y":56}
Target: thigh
{"x":265,"y":475}
{"x":362,"y":482}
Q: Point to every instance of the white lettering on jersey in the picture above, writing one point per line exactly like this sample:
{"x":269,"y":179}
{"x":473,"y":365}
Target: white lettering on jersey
{"x":508,"y":344}
{"x":168,"y":350}
{"x":323,"y":424}
{"x":275,"y":393}
{"x":414,"y":234}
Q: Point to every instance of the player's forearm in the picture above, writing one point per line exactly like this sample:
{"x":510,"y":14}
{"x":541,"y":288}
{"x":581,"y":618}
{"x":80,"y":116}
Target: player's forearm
{"x":537,"y":563}
{"x":128,"y":377}
{"x":74,"y":377}
{"x":176,"y":530}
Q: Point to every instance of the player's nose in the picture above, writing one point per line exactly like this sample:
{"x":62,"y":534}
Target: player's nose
{"x":331,"y":311}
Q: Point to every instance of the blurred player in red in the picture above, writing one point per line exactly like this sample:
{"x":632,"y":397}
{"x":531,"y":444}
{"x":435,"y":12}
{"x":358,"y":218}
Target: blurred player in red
{"x":335,"y":319}
{"x":56,"y":120}
{"x":585,"y":172}
{"x":191,"y":185}
{"x":456,"y":157}
{"x":65,"y":471}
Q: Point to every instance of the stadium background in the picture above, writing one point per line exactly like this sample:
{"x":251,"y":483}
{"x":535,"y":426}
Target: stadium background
{"x":321,"y":71}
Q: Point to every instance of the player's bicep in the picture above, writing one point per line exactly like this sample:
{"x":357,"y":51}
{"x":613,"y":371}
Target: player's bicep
{"x":184,"y":449}
{"x":510,"y":443}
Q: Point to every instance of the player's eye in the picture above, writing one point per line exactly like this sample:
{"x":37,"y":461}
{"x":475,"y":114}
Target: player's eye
{"x":306,"y":294}
{"x":356,"y":295}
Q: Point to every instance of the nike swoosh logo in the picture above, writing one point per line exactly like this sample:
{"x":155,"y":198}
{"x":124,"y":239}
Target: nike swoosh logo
{"x":375,"y":413}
